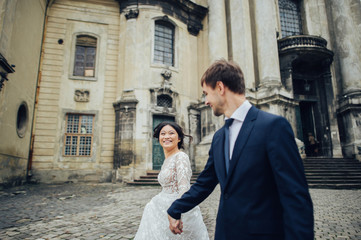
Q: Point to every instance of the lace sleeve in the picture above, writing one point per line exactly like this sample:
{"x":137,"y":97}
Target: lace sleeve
{"x":184,"y":173}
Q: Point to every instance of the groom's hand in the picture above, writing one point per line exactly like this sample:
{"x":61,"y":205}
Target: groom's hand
{"x":176,"y":226}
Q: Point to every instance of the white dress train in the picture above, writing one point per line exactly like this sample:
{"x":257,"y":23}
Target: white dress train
{"x":174,"y":178}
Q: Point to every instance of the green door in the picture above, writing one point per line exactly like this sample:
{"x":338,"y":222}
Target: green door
{"x":158,"y":154}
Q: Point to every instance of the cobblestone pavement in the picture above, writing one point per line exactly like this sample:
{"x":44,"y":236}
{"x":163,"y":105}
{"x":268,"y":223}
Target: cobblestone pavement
{"x":113,"y":211}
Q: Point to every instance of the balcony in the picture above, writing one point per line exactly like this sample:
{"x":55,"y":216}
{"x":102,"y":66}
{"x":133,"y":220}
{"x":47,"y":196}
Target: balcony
{"x":304,"y":50}
{"x":302,"y":41}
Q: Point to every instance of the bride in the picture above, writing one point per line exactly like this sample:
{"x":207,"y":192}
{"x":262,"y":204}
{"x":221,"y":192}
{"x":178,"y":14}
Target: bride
{"x":174,"y":178}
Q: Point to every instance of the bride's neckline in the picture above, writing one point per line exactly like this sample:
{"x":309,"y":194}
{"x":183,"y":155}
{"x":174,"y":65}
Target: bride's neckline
{"x":172,"y":155}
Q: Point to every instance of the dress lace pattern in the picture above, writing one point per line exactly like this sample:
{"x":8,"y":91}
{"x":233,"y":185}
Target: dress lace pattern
{"x":174,"y":178}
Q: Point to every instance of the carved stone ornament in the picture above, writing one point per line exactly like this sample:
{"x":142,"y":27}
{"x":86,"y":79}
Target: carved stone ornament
{"x":167,"y":74}
{"x":81,"y":95}
{"x":131,"y":13}
{"x":194,"y":27}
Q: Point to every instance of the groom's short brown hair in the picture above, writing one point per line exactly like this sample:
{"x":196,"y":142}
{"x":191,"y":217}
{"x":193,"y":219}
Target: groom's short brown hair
{"x":227,"y":72}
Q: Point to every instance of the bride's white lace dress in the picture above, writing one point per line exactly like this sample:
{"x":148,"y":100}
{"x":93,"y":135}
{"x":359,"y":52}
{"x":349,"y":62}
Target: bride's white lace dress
{"x":174,"y":178}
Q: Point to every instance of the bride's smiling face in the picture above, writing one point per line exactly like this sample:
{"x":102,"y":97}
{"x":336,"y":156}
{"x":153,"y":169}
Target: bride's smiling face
{"x":168,"y":138}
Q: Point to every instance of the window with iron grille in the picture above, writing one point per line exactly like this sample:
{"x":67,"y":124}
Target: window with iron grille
{"x":290,"y":16}
{"x":164,"y":101}
{"x":85,"y":53}
{"x":164,"y":43}
{"x":78,"y":135}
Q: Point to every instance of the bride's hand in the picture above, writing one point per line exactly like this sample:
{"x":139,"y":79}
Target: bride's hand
{"x":176,"y":226}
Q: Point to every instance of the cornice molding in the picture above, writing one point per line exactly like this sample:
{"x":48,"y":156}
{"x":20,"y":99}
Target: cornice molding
{"x":186,"y":11}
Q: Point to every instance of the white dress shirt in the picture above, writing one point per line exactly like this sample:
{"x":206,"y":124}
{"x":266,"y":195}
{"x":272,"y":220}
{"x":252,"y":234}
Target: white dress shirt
{"x":239,"y":115}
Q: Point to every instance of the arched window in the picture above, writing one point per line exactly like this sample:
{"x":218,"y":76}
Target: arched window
{"x":164,"y":101}
{"x":85,"y":53}
{"x":164,"y":43}
{"x":290,"y":16}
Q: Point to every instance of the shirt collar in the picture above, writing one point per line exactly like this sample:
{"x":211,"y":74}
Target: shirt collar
{"x":241,"y":111}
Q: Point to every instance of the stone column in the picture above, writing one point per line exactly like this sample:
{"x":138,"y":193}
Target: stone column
{"x":130,"y":61}
{"x":217,"y":30}
{"x":331,"y":132}
{"x":207,"y":126}
{"x":346,"y":16}
{"x":195,"y":132}
{"x":241,"y":38}
{"x":315,"y":16}
{"x":267,"y":49}
{"x":348,"y":42}
{"x":322,"y":12}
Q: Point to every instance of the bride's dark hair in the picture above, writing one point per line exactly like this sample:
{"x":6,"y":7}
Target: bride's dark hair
{"x":178,"y":129}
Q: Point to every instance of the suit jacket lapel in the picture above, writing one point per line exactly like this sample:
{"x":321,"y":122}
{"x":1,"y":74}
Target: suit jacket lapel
{"x":242,"y":138}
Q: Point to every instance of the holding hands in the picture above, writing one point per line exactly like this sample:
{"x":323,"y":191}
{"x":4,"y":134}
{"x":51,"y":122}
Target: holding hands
{"x":176,"y":226}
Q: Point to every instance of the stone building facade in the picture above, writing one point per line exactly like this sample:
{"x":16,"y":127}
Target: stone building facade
{"x":21,"y":33}
{"x":113,"y":69}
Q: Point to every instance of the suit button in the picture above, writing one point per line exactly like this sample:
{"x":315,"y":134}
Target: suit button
{"x":226,"y":196}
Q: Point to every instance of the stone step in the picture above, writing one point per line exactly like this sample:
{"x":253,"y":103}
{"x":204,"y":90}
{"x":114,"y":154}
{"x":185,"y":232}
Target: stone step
{"x":334,"y":186}
{"x":152,"y":178}
{"x":337,"y":173}
{"x":328,"y":180}
{"x":194,"y":176}
{"x":143,"y":183}
{"x":316,"y":177}
{"x":146,"y":183}
{"x":331,"y":163}
{"x":332,"y":173}
{"x":328,"y":170}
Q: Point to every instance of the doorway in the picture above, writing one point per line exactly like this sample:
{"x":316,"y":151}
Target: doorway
{"x":158,"y":154}
{"x":309,"y":130}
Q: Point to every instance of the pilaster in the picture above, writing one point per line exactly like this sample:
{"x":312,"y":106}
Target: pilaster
{"x":130,"y":54}
{"x":125,"y":117}
{"x":195,"y":132}
{"x":242,"y":43}
{"x":347,"y":43}
{"x":217,"y":30}
{"x":346,"y":16}
{"x":349,"y":114}
{"x":267,"y":49}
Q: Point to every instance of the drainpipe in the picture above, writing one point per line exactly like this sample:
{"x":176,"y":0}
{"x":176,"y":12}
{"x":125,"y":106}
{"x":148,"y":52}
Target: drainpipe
{"x":31,"y":145}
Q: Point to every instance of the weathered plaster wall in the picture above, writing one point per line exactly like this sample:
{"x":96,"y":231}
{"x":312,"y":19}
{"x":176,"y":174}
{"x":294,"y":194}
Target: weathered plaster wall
{"x":21,"y":26}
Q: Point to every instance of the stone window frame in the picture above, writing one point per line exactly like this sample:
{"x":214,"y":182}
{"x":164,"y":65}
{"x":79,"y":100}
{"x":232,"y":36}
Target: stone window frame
{"x":175,"y":43}
{"x":78,"y":134}
{"x":73,"y":54}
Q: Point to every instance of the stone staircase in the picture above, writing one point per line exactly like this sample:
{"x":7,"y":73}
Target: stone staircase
{"x":321,"y":172}
{"x":333,"y":173}
{"x":151,"y":178}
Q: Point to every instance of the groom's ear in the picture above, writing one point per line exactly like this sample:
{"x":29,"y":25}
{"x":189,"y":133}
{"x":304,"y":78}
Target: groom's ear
{"x":220,"y":87}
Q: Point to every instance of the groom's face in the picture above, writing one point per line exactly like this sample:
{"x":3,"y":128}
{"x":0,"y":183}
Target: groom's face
{"x":213,"y":99}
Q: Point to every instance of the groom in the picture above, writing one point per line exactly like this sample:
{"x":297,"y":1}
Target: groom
{"x":254,"y":158}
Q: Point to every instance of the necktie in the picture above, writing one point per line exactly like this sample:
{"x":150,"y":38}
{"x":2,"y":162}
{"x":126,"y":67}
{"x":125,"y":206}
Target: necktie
{"x":226,"y":141}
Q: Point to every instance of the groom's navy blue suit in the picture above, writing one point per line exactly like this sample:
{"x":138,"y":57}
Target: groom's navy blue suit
{"x":265,"y":195}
